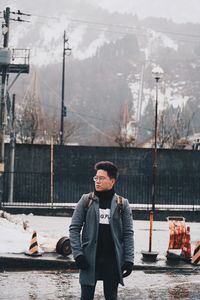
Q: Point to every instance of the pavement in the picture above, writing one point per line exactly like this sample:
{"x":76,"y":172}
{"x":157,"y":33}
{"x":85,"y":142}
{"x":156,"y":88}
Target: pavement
{"x":59,"y":226}
{"x":54,"y":261}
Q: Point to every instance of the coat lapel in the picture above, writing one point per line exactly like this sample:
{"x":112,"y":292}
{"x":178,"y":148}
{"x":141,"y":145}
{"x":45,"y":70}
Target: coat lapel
{"x":113,"y":205}
{"x":96,"y":205}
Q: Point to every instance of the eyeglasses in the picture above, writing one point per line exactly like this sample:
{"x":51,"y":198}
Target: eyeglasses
{"x":100,"y":179}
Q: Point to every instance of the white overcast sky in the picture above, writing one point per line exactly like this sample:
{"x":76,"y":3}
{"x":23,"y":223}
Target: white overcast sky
{"x":180,"y":11}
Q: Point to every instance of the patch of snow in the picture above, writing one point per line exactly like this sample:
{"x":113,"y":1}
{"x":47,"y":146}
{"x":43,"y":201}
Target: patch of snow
{"x":156,"y":39}
{"x":16,"y":235}
{"x":167,"y":42}
{"x":92,"y":48}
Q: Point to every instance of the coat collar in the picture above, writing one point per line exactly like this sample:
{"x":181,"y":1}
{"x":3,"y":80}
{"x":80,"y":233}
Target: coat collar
{"x":113,"y":203}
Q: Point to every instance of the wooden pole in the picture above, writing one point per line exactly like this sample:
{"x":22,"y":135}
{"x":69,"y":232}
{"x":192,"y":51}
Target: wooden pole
{"x":150,"y":230}
{"x":52,"y":174}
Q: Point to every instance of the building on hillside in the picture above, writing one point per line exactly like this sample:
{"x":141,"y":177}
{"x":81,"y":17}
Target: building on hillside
{"x":196,"y":143}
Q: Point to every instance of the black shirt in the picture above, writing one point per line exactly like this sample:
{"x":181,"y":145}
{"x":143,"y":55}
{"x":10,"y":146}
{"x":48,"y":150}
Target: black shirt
{"x":105,"y":245}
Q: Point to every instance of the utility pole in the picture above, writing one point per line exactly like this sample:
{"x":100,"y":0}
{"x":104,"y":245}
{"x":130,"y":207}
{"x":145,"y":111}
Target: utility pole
{"x":12,"y":151}
{"x":4,"y":69}
{"x":66,"y":50}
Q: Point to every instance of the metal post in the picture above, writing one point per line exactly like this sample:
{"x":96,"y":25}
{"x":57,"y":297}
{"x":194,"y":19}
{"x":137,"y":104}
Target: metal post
{"x":12,"y":152}
{"x":152,"y":255}
{"x":150,"y":230}
{"x":52,"y":174}
{"x":2,"y":103}
{"x":7,"y":23}
{"x":2,"y":132}
{"x":63,"y":93}
{"x":155,"y":150}
{"x":63,"y":107}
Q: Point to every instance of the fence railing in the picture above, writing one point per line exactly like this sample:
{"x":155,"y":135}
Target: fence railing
{"x":35,"y":189}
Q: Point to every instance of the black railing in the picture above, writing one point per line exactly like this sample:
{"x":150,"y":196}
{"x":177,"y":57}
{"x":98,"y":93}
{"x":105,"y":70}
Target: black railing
{"x":27,"y":187}
{"x":35,"y":188}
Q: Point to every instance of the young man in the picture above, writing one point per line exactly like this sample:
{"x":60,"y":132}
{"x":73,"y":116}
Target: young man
{"x":105,"y":249}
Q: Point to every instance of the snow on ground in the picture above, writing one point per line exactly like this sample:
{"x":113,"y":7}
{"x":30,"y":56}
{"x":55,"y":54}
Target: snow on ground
{"x":16,"y":235}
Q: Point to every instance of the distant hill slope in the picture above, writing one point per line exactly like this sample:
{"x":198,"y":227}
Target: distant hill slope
{"x":104,"y":73}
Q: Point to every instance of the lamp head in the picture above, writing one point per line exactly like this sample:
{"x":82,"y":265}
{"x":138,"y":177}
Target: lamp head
{"x":157,"y":73}
{"x":68,"y":51}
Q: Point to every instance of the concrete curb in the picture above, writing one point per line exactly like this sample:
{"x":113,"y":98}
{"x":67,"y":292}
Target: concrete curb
{"x":53,"y":261}
{"x":160,"y":269}
{"x":138,"y":213}
{"x":45,"y":262}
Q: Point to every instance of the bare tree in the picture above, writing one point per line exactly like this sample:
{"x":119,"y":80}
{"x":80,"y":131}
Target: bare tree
{"x":124,"y":132}
{"x":71,"y":129}
{"x":174,"y":131}
{"x":30,"y":120}
{"x":52,"y":129}
{"x":27,"y":126}
{"x":124,"y":135}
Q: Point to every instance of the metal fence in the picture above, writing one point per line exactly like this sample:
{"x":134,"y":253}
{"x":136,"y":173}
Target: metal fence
{"x":36,"y":189}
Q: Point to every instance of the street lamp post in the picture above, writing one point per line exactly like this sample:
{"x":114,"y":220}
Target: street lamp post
{"x":66,"y":50}
{"x":150,"y":255}
{"x":157,"y":74}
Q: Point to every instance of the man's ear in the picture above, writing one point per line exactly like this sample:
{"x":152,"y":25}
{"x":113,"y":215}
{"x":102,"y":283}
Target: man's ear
{"x":113,"y":180}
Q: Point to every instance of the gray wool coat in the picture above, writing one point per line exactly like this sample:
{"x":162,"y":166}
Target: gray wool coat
{"x":84,"y":235}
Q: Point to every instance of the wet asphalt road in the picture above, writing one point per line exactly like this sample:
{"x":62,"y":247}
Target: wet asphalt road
{"x":39,"y":285}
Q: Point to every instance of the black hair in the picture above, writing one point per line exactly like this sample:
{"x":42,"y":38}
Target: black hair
{"x":108,"y":166}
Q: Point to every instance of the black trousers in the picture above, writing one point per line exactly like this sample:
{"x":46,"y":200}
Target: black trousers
{"x":109,"y":288}
{"x":106,"y":270}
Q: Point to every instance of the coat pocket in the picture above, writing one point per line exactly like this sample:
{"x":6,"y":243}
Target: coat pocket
{"x":85,"y":244}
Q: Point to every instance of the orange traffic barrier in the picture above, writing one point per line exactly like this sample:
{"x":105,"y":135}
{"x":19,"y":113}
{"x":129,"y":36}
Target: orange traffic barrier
{"x":177,"y":231}
{"x":196,"y":254}
{"x":186,"y":246}
{"x":171,"y":235}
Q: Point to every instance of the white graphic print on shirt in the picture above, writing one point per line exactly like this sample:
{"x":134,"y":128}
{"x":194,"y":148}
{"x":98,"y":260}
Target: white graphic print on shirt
{"x":104,"y":216}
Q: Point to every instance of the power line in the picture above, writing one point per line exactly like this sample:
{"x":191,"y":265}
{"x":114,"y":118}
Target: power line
{"x":20,"y":13}
{"x":94,"y":127}
{"x":127,"y":27}
{"x":58,"y":98}
{"x":46,"y":17}
{"x":132,"y":27}
{"x":141,"y":31}
{"x":19,"y":20}
{"x":135,"y":28}
{"x":107,"y":30}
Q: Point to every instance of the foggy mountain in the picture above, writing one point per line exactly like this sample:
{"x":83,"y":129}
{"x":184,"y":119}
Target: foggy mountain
{"x":110,"y":52}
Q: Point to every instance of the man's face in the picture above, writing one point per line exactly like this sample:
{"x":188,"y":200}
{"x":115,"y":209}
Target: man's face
{"x":103,"y":182}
